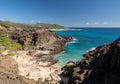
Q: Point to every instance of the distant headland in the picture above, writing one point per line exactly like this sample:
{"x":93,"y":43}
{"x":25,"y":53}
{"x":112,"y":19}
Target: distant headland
{"x":8,"y":25}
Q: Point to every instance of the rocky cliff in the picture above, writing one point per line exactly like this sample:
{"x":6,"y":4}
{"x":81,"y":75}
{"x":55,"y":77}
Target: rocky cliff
{"x":40,"y":40}
{"x":100,"y":66}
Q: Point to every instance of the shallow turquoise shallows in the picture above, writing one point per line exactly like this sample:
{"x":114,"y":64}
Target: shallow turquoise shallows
{"x":85,"y":39}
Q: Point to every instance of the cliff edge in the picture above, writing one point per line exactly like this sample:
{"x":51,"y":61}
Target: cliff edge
{"x":40,"y":40}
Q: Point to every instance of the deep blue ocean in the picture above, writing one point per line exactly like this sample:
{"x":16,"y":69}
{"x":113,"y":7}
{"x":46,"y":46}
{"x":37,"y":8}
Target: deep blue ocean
{"x":85,"y":39}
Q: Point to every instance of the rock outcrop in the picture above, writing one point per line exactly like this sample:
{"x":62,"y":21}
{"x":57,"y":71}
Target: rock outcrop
{"x":31,"y":63}
{"x":100,"y":66}
{"x":40,"y":40}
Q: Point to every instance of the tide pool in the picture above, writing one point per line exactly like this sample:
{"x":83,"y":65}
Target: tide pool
{"x":85,"y":39}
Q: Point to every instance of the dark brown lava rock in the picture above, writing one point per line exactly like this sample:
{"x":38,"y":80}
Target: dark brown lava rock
{"x":100,"y":66}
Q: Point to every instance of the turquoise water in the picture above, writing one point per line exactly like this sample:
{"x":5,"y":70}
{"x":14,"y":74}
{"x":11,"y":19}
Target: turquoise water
{"x":85,"y":39}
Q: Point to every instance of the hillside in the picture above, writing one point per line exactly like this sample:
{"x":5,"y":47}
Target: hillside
{"x":8,"y":25}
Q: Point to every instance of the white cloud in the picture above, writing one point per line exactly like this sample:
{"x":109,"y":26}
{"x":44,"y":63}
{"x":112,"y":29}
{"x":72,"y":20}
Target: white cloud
{"x":95,"y":23}
{"x":105,"y":22}
{"x":91,"y":23}
{"x":87,"y":23}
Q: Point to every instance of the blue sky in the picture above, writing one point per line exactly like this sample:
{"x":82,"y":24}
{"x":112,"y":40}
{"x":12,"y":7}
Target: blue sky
{"x":69,"y":13}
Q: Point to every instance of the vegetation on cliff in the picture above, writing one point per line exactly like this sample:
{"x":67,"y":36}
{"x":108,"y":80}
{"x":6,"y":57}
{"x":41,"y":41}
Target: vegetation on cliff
{"x":33,"y":40}
{"x":7,"y":44}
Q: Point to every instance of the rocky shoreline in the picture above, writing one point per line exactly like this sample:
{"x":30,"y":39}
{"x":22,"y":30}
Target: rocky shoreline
{"x":99,"y":66}
{"x":33,"y":62}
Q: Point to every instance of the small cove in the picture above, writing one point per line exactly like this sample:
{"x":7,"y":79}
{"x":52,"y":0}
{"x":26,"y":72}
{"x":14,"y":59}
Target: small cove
{"x":84,"y":40}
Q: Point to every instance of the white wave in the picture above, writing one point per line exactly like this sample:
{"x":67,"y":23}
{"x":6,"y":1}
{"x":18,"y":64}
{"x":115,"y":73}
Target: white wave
{"x":67,"y":29}
{"x":60,"y":30}
{"x":91,"y":49}
{"x":71,"y":42}
{"x":74,"y":39}
{"x":75,"y":29}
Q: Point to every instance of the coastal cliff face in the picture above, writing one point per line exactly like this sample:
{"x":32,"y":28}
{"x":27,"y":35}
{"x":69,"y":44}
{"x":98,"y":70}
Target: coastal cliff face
{"x":40,"y":40}
{"x":100,"y":66}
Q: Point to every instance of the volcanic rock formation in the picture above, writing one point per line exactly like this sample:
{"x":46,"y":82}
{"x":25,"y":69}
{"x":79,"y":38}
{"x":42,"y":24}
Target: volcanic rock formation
{"x":100,"y":66}
{"x":40,"y":40}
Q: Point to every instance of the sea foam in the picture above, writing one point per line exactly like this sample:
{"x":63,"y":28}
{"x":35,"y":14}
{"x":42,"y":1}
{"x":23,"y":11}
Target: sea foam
{"x":91,"y":49}
{"x":74,"y":40}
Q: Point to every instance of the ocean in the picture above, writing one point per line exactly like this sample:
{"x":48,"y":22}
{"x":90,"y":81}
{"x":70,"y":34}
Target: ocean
{"x":84,"y":40}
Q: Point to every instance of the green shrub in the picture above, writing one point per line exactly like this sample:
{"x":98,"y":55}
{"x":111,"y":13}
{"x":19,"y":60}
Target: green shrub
{"x":4,"y":41}
{"x":16,"y":46}
{"x":8,"y":45}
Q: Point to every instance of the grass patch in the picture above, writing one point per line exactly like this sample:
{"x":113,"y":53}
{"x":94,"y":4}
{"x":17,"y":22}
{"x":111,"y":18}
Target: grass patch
{"x":16,"y":46}
{"x":8,"y":45}
{"x":4,"y":41}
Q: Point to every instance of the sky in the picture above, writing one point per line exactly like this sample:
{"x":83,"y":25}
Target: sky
{"x":69,"y":13}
